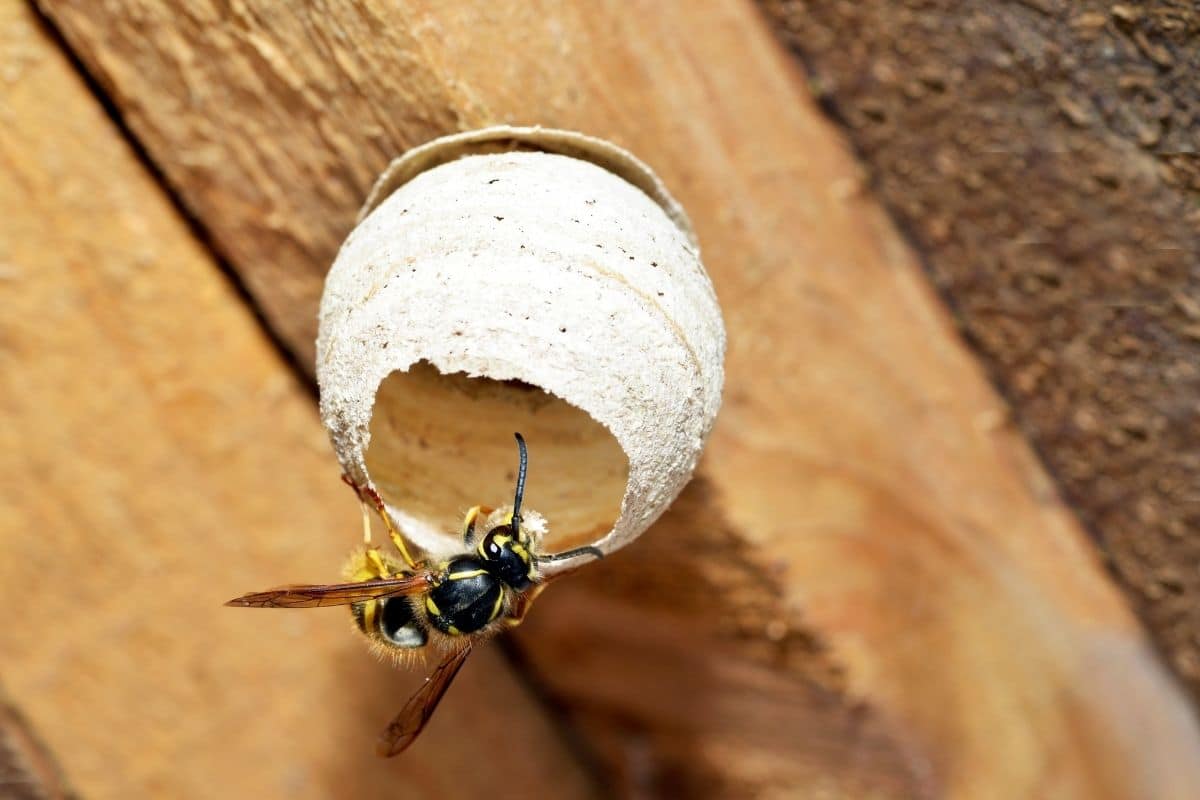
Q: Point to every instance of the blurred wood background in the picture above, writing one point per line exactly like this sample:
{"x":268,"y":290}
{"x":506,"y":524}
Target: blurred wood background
{"x":873,"y":588}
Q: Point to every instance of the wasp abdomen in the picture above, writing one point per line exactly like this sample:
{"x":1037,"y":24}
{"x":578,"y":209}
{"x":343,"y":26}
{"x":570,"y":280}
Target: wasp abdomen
{"x":466,"y":600}
{"x":398,"y":624}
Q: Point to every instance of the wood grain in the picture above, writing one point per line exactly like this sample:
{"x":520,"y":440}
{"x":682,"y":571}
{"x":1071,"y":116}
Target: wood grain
{"x":1056,"y":207}
{"x":158,"y":458}
{"x":27,"y":770}
{"x":869,"y":530}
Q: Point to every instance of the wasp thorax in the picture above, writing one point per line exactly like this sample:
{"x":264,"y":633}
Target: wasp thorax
{"x":466,"y":599}
{"x":508,"y":557}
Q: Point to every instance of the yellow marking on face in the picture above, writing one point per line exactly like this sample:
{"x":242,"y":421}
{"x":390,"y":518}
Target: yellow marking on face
{"x":453,"y":631}
{"x":369,"y":616}
{"x":462,"y":576}
{"x":520,"y":550}
{"x":431,"y":607}
{"x":496,"y":608}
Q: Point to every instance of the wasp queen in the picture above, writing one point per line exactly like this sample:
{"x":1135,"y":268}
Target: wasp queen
{"x":404,"y":605}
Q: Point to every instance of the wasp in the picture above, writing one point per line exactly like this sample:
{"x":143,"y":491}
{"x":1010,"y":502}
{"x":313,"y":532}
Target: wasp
{"x":405,"y":605}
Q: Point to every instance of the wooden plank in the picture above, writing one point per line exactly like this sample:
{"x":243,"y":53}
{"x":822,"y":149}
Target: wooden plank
{"x":158,"y":459}
{"x":868,"y":529}
{"x":1059,"y":216}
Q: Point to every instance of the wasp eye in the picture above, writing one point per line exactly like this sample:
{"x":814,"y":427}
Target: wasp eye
{"x":507,"y":559}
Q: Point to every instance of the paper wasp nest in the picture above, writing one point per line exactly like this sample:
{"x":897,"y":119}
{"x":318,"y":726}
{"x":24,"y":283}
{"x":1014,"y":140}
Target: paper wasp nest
{"x":520,"y":279}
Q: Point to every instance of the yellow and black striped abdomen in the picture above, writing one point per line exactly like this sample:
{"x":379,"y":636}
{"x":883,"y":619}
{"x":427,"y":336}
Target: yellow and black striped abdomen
{"x":393,"y":621}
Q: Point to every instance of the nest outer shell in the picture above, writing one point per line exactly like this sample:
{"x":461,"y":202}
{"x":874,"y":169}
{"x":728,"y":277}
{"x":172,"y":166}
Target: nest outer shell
{"x":592,"y":289}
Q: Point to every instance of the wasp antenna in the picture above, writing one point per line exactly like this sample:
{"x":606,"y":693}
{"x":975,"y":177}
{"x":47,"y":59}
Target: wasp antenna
{"x":588,"y":550}
{"x":520,"y":495}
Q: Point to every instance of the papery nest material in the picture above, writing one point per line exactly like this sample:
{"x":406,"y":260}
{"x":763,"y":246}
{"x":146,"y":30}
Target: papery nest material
{"x":521,"y":279}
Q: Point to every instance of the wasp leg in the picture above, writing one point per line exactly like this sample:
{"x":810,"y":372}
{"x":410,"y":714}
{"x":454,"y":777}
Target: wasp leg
{"x":366,"y":515}
{"x":394,"y":533}
{"x":470,"y":520}
{"x":469,"y":524}
{"x":367,"y":494}
{"x":521,"y":606}
{"x":372,"y":567}
{"x":376,"y":561}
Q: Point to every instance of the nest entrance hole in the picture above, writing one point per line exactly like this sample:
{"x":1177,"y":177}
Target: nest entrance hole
{"x":441,"y":443}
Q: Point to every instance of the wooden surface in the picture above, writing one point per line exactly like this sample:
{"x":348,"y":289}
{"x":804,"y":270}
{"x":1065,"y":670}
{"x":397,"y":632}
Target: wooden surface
{"x":159,"y":458}
{"x":28,"y":771}
{"x":872,"y":589}
{"x":1055,"y":204}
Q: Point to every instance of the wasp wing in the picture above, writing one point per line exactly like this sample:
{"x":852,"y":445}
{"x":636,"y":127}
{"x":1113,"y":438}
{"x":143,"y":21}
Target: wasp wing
{"x":409,"y":723}
{"x":335,"y":594}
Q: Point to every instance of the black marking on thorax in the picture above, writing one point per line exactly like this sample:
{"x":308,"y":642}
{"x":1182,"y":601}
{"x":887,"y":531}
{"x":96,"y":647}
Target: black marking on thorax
{"x":467,"y":599}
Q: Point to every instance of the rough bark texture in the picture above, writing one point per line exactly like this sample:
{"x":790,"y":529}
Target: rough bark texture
{"x":158,"y":458}
{"x":872,"y":590}
{"x":1043,"y":157}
